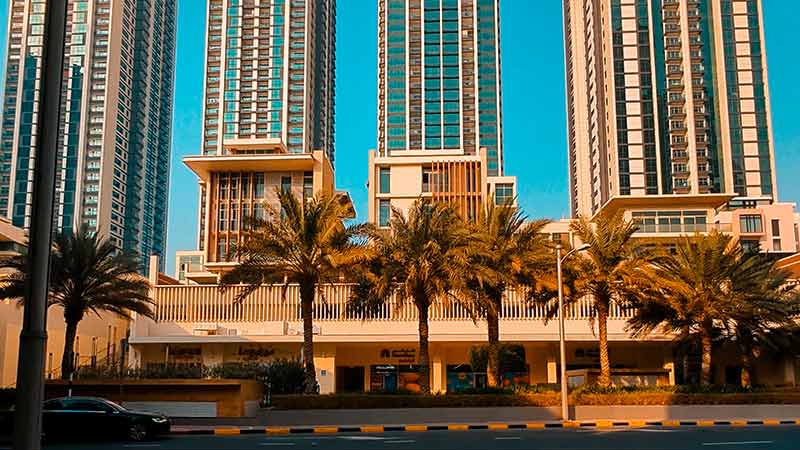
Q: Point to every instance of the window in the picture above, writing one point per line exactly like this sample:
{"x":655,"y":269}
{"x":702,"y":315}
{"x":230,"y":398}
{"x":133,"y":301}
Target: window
{"x":427,"y":175}
{"x":221,"y":247}
{"x":258,"y":185}
{"x":286,"y":185}
{"x":750,"y":246}
{"x":385,"y":178}
{"x":384,"y":213}
{"x":750,"y":223}
{"x":503,"y":193}
{"x":776,"y":245}
{"x":308,"y":185}
{"x":776,"y":228}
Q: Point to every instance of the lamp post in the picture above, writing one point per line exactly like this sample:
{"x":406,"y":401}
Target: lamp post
{"x":562,"y":342}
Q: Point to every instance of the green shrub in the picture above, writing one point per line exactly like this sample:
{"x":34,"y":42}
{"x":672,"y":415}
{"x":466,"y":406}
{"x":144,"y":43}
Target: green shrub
{"x":511,"y":358}
{"x":283,"y":376}
{"x":236,"y":371}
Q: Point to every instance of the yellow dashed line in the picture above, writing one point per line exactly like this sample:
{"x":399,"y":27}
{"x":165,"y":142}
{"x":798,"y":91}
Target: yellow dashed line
{"x":637,"y":423}
{"x":458,"y":427}
{"x":416,"y":428}
{"x":372,"y":429}
{"x":326,"y":430}
{"x":671,"y":423}
{"x":738,"y":423}
{"x":226,"y":431}
{"x":705,"y":423}
{"x":772,"y":422}
{"x":604,"y":424}
{"x":535,"y":426}
{"x":498,"y":426}
{"x":572,"y":424}
{"x":277,"y":430}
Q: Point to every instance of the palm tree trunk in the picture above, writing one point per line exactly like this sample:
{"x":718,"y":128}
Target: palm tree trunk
{"x":705,"y":366}
{"x":424,"y":357}
{"x":602,"y":328}
{"x":307,"y":301}
{"x":493,"y":366}
{"x":68,"y":359}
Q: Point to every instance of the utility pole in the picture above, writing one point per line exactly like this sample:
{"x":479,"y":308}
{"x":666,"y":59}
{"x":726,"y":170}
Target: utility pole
{"x":33,"y":338}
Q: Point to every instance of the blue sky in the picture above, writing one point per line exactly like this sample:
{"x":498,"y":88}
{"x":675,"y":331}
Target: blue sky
{"x":533,"y":104}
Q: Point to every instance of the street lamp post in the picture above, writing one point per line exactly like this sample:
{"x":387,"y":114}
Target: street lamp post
{"x":562,"y":341}
{"x":33,"y":338}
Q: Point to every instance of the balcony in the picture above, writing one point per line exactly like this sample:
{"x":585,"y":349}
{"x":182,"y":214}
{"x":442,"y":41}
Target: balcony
{"x":201,"y":313}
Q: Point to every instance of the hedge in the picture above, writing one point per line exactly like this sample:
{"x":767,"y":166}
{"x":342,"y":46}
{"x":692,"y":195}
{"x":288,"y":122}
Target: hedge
{"x":540,"y":399}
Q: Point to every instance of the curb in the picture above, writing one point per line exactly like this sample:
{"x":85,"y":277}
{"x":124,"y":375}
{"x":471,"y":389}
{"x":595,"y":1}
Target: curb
{"x":598,"y":424}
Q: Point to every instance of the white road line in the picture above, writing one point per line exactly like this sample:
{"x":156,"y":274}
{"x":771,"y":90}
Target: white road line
{"x":739,"y":443}
{"x":508,"y":438}
{"x":402,"y":441}
{"x":362,"y":438}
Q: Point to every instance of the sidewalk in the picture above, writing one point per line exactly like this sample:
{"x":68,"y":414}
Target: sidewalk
{"x":477,"y":418}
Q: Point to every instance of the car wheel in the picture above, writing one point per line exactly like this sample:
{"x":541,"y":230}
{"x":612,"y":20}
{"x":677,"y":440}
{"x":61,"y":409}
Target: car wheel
{"x":137,"y":432}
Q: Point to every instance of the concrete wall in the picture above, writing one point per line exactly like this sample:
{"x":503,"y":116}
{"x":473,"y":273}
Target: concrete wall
{"x":91,"y":329}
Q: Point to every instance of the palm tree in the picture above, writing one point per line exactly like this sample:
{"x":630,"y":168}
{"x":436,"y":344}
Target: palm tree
{"x":309,"y":244}
{"x":610,"y":271}
{"x":707,"y":286}
{"x":423,"y":257}
{"x":507,"y":251}
{"x":87,"y":275}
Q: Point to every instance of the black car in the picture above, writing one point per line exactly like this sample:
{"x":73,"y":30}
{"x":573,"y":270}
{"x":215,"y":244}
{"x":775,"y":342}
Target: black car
{"x":74,"y":417}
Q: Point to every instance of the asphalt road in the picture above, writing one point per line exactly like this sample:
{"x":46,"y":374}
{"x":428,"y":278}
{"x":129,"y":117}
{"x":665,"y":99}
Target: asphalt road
{"x":723,"y":438}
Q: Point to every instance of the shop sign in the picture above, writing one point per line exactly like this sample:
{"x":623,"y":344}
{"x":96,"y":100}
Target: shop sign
{"x":406,"y":355}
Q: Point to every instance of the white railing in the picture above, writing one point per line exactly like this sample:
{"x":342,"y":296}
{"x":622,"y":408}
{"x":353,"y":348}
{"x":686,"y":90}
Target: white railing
{"x":201,"y":304}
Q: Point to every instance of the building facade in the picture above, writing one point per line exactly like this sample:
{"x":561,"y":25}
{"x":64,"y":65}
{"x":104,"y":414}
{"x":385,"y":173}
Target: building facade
{"x":116,"y":122}
{"x":439,"y":106}
{"x":268,"y":114}
{"x":101,"y":338}
{"x":669,"y":118}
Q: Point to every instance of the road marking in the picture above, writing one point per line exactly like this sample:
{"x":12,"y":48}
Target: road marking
{"x":276,"y":444}
{"x":708,"y":444}
{"x":362,"y":438}
{"x":401,"y":441}
{"x":508,"y":438}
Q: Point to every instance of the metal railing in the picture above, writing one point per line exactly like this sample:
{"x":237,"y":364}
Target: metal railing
{"x":206,"y":304}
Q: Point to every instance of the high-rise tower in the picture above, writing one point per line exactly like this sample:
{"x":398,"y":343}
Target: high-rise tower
{"x":439,"y":105}
{"x":667,"y":98}
{"x":268,"y":115}
{"x":114,"y":150}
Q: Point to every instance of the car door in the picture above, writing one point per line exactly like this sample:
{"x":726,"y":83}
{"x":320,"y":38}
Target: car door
{"x":54,"y":419}
{"x":88,"y":418}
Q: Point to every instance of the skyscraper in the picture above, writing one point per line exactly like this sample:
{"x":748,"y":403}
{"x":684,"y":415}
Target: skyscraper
{"x":268,"y":115}
{"x":439,"y":105}
{"x":114,"y":150}
{"x":667,"y":98}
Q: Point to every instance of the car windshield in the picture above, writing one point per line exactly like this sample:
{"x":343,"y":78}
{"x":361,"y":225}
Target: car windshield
{"x":116,"y":406}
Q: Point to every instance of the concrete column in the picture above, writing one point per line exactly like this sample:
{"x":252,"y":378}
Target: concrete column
{"x":789,"y":375}
{"x":670,"y":365}
{"x":552,"y":367}
{"x":325,"y":364}
{"x":134,"y":356}
{"x":367,"y":377}
{"x":438,"y":370}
